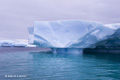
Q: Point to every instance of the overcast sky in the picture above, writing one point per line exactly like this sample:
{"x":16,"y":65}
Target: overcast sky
{"x":17,"y":15}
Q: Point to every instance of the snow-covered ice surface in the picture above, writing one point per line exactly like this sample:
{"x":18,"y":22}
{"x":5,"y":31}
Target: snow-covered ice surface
{"x":68,"y":33}
{"x":113,"y":26}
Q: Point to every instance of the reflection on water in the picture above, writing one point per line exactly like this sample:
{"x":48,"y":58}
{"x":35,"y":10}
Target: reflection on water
{"x":48,"y":66}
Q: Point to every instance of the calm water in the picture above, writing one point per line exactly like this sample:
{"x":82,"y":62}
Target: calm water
{"x":48,"y":66}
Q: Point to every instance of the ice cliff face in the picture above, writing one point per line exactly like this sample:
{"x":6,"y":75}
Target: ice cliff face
{"x":68,"y":33}
{"x":113,"y":41}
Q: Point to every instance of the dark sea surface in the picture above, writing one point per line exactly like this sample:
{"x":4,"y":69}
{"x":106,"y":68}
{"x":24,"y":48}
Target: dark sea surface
{"x":49,"y":66}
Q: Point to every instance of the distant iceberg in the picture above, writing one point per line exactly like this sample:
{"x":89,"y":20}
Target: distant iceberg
{"x":6,"y":43}
{"x":68,"y":33}
{"x":20,"y":44}
{"x":11,"y":43}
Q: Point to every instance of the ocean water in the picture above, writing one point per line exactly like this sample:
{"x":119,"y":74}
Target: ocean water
{"x":49,"y":66}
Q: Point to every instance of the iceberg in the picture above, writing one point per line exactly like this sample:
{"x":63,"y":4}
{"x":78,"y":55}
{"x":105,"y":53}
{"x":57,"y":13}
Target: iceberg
{"x":68,"y":33}
{"x":11,"y":43}
{"x":6,"y":43}
{"x":19,"y":44}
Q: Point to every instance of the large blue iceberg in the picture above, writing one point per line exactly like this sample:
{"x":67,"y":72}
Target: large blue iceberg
{"x":69,"y":33}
